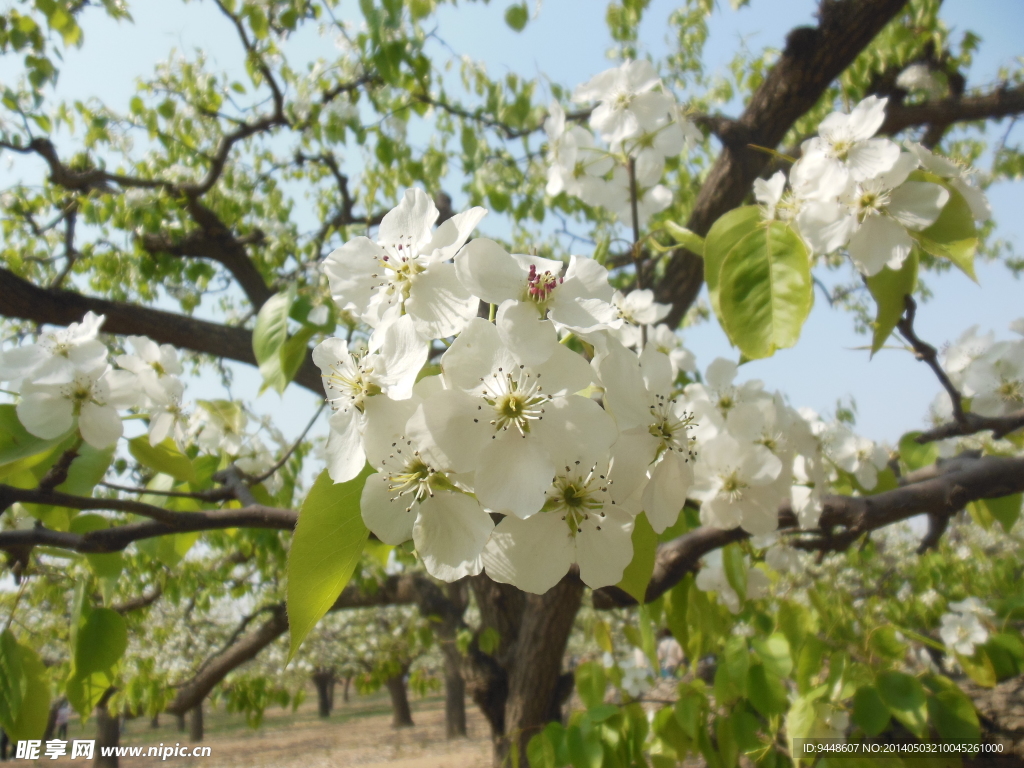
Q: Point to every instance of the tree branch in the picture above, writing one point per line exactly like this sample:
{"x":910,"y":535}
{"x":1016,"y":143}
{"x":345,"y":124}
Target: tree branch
{"x":812,"y":59}
{"x":21,"y":299}
{"x":1002,"y":101}
{"x":943,"y":490}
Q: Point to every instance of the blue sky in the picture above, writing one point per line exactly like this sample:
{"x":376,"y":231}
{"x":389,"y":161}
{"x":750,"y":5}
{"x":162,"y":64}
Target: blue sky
{"x":892,"y":391}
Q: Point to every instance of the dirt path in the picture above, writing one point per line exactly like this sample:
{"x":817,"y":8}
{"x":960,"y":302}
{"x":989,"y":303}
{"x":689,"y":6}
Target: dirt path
{"x":357,"y":734}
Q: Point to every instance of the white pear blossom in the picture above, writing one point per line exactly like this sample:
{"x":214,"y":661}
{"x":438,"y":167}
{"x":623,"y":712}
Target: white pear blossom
{"x":734,"y":481}
{"x":500,"y":416}
{"x":572,"y":154}
{"x":156,"y":365}
{"x":59,"y":355}
{"x":628,"y":101}
{"x":844,"y":149}
{"x":409,"y":498}
{"x":857,"y":455}
{"x":365,"y":390}
{"x":918,"y":77}
{"x":872,"y":217}
{"x":579,"y":301}
{"x":93,"y":397}
{"x":961,"y":631}
{"x":408,"y":269}
{"x":639,"y":394}
{"x":587,"y":517}
{"x":220,"y":426}
{"x":995,"y":380}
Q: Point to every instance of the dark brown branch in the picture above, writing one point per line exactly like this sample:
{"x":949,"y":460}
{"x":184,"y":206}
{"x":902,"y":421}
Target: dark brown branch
{"x":943,"y":490}
{"x":812,"y":59}
{"x":142,"y":601}
{"x":21,"y":299}
{"x":1000,"y":102}
{"x":964,"y":422}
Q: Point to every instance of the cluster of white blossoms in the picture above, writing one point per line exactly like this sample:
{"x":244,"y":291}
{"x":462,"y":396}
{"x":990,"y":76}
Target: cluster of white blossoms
{"x":988,"y":372}
{"x":961,"y":628}
{"x":639,"y":121}
{"x":497,"y":446}
{"x":66,"y":382}
{"x":853,"y":190}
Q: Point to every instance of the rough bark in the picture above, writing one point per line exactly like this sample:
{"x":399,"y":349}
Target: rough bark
{"x":180,"y":719}
{"x":454,"y":702}
{"x":195,"y":723}
{"x":108,"y":733}
{"x":536,"y":689}
{"x":401,"y":714}
{"x":324,"y":681}
{"x":344,"y":689}
{"x":154,"y":722}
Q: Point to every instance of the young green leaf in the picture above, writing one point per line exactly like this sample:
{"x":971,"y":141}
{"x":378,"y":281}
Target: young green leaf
{"x":163,"y":457}
{"x":638,"y":573}
{"x":325,"y":550}
{"x":889,"y":289}
{"x":765,"y":290}
{"x":722,"y":238}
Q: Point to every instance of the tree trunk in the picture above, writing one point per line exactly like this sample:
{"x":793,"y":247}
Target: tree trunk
{"x":108,"y":734}
{"x":324,"y":680}
{"x":401,"y":714}
{"x":344,"y":690}
{"x":180,"y":717}
{"x":51,"y":720}
{"x":195,"y":723}
{"x":154,"y":722}
{"x":454,"y":702}
{"x":537,"y":689}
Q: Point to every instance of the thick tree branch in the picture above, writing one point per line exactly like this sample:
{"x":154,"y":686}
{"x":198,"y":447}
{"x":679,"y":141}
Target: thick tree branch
{"x":1000,"y":102}
{"x":21,"y":299}
{"x":812,"y":59}
{"x":943,"y":490}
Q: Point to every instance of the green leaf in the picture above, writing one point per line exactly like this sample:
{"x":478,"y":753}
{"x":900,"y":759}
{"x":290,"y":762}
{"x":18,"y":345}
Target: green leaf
{"x":775,"y":653}
{"x":271,"y":332}
{"x":26,"y":720}
{"x":889,"y":289}
{"x":869,"y":711}
{"x":326,"y":547}
{"x":101,"y":642}
{"x":590,"y":683}
{"x":584,"y":748}
{"x":735,"y":570}
{"x":722,"y":238}
{"x":766,"y":691}
{"x":954,"y":717}
{"x":684,"y":237}
{"x":954,"y":235}
{"x":979,"y":668}
{"x":294,"y":353}
{"x":796,"y":622}
{"x":516,"y":16}
{"x":1005,"y":509}
{"x":905,"y":698}
{"x":765,"y":290}
{"x":1006,"y":653}
{"x":13,"y":681}
{"x":638,"y":573}
{"x":163,"y":457}
{"x":914,"y":454}
{"x":689,"y":711}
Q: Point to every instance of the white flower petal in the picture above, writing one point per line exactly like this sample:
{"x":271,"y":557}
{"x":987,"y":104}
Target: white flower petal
{"x":391,"y":521}
{"x":604,"y":547}
{"x":666,"y":491}
{"x":45,"y":414}
{"x":345,"y":457}
{"x":490,"y":272}
{"x":512,"y":475}
{"x":917,"y":204}
{"x":530,"y":339}
{"x":100,"y":425}
{"x":439,"y":303}
{"x":408,"y":224}
{"x":879,"y":241}
{"x":450,"y":533}
{"x":531,"y":554}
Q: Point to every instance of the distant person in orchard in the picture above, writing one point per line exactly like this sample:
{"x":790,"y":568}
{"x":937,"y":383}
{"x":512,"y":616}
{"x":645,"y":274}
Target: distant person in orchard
{"x":670,"y":654}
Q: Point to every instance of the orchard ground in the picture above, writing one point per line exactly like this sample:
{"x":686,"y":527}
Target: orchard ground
{"x":356,"y":734}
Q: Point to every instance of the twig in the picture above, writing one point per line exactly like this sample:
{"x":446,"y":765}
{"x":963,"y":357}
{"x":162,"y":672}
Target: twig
{"x":290,"y":451}
{"x":928,"y":354}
